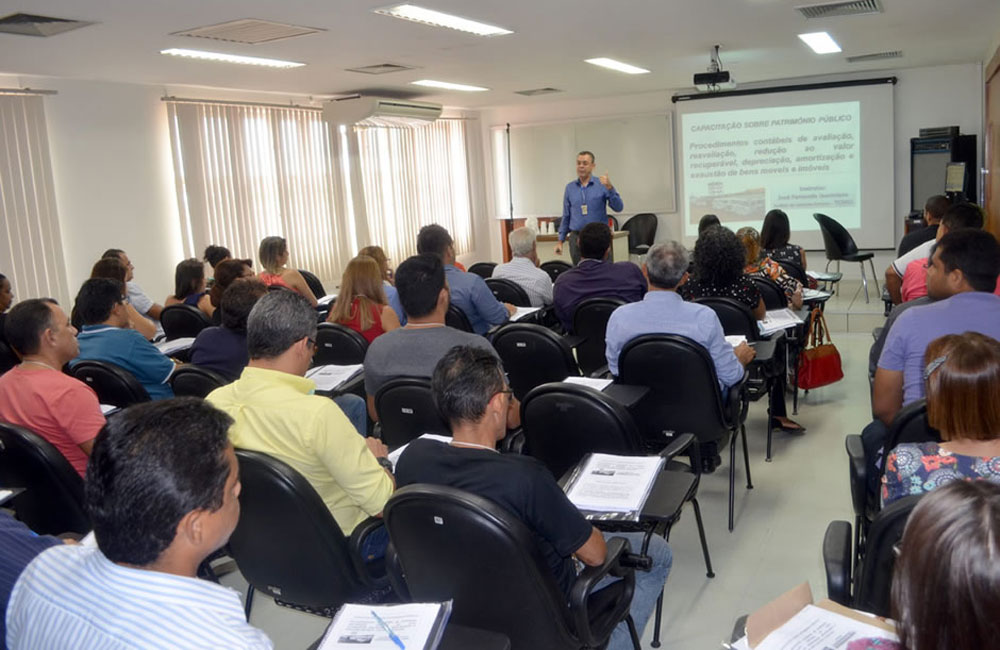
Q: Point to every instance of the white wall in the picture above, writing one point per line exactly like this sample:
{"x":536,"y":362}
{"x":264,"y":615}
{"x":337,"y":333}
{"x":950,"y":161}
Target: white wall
{"x":924,"y":97}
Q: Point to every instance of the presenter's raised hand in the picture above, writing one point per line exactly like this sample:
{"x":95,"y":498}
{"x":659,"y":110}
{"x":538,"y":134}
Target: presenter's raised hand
{"x":605,"y":181}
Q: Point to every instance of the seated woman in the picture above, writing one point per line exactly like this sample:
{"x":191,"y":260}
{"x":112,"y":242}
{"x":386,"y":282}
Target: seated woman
{"x":213,"y":255}
{"x":963,"y":404}
{"x":115,"y":269}
{"x":226,"y":272}
{"x":718,"y":271}
{"x":945,"y":586}
{"x":377,"y":254}
{"x":774,"y":236}
{"x":6,"y":299}
{"x":189,"y":287}
{"x":273,"y":255}
{"x":761,"y":266}
{"x":224,"y":349}
{"x":361,"y":303}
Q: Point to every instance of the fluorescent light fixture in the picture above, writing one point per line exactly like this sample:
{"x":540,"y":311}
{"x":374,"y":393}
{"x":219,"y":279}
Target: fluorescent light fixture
{"x":820,"y":42}
{"x":440,"y":19}
{"x":611,"y":64}
{"x":447,"y":85}
{"x":231,"y":58}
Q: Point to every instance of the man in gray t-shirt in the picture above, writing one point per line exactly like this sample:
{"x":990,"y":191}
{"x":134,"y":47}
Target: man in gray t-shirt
{"x":414,"y":350}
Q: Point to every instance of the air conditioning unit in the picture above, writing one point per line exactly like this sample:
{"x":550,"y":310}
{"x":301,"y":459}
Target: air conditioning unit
{"x":380,"y":111}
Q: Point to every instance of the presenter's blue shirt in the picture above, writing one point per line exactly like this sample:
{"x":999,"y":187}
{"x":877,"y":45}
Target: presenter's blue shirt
{"x":595,"y":196}
{"x":129,"y":350}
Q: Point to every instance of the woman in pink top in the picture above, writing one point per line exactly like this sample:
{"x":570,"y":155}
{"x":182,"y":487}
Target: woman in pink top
{"x":361,"y":303}
{"x":273,"y":254}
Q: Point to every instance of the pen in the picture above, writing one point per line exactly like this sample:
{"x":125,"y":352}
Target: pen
{"x":388,"y":630}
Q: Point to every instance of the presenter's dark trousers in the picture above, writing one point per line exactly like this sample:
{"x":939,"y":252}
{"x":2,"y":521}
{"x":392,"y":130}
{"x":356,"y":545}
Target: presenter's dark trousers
{"x":573,"y":237}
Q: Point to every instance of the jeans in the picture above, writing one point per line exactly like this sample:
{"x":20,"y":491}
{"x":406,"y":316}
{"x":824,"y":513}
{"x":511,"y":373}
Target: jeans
{"x":648,"y":585}
{"x":373,"y":548}
{"x":355,"y":409}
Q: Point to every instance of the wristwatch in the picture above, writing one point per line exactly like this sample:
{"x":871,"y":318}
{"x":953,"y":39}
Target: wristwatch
{"x":385,"y":462}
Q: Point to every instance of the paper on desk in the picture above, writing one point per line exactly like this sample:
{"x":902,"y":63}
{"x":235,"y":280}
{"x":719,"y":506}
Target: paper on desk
{"x":823,"y":276}
{"x":175,"y":345}
{"x":107,"y":408}
{"x":524,"y":312}
{"x":395,"y":454}
{"x":776,"y":320}
{"x":327,"y":299}
{"x":813,"y":294}
{"x":331,"y":377}
{"x":815,"y":628}
{"x":416,"y":625}
{"x":609,"y":483}
{"x":593,"y":382}
{"x":735,"y":339}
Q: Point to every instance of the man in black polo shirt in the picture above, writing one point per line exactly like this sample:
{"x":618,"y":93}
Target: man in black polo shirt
{"x":472,"y":394}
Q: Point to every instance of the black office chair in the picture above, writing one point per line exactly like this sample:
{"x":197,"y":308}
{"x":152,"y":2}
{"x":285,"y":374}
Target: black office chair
{"x":773,"y":295}
{"x":641,"y":232}
{"x":190,"y":380}
{"x":590,"y":321}
{"x":339,"y":345}
{"x":840,"y":246}
{"x":114,"y":385}
{"x":686,"y":398}
{"x":180,"y":321}
{"x":52,"y":501}
{"x":508,"y":291}
{"x":555,"y":268}
{"x":288,"y":545}
{"x":533,"y":355}
{"x":866,"y":583}
{"x":406,"y":410}
{"x":456,"y":318}
{"x":8,"y":358}
{"x":483,"y":269}
{"x":796,"y":271}
{"x":313,"y":282}
{"x":449,"y":544}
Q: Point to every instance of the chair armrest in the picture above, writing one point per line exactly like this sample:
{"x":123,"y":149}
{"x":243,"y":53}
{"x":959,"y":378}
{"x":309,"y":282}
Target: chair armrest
{"x":395,"y":575}
{"x":677,"y":445}
{"x":573,"y":341}
{"x":513,"y":442}
{"x":837,"y":562}
{"x":857,"y":473}
{"x":601,"y":373}
{"x":357,"y":541}
{"x":734,"y":398}
{"x":594,"y":633}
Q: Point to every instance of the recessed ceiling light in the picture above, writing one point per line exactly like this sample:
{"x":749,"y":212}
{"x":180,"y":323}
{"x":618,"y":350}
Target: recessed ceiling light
{"x":447,"y":85}
{"x":440,"y":19}
{"x":611,"y":64}
{"x":820,"y":42}
{"x":231,"y":58}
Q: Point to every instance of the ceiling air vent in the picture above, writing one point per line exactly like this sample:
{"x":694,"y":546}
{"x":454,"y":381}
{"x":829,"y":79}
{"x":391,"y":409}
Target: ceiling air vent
{"x":31,"y":25}
{"x":381,"y":68}
{"x":249,"y":30}
{"x":842,"y":8}
{"x":538,"y":91}
{"x":877,"y":56}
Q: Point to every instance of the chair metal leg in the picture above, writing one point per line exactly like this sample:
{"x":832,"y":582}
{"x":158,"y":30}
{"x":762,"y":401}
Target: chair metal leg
{"x":704,"y":542}
{"x":656,"y":621}
{"x":732,"y":481}
{"x":746,"y":455}
{"x":864,"y":281}
{"x":770,"y":431}
{"x":632,"y":633}
{"x":249,"y":604}
{"x":878,"y":290}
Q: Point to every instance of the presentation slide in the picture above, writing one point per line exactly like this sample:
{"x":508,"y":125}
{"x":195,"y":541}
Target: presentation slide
{"x":796,"y":153}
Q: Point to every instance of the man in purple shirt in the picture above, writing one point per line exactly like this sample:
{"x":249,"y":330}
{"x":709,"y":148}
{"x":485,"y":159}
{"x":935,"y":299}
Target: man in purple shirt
{"x":595,"y":276}
{"x":961,"y":277}
{"x":585,"y":201}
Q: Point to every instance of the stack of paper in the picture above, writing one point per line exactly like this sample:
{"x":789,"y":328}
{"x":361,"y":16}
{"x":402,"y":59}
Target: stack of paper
{"x":413,"y":626}
{"x":824,"y":276}
{"x":524,"y":312}
{"x":593,"y":382}
{"x":735,"y":339}
{"x":814,"y":294}
{"x":331,"y":377}
{"x":776,"y":320}
{"x":815,"y":628}
{"x":175,"y":345}
{"x":608,"y":483}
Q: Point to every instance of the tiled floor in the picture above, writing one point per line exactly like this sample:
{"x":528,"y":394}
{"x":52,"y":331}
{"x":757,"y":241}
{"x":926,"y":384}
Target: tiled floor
{"x":779,"y":524}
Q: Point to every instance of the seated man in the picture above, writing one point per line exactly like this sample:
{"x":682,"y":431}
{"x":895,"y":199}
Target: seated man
{"x":522,"y":269}
{"x":414,"y":349}
{"x":276,"y":413}
{"x":37,"y":395}
{"x":960,"y":279}
{"x":20,"y":546}
{"x":224,"y":349}
{"x":473,"y":396}
{"x":663,"y":311}
{"x":596,"y":277}
{"x":106,"y":337}
{"x":934,"y":209}
{"x":468,"y":291}
{"x":136,"y":296}
{"x":163,"y":492}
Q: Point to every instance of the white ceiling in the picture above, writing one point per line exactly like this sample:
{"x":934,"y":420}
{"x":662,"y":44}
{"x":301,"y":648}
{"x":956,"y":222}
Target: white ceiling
{"x":672,"y":38}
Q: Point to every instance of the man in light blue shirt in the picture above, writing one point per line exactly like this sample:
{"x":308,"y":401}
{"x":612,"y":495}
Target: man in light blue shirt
{"x":663,"y":311}
{"x":468,"y":291}
{"x":585,"y":201}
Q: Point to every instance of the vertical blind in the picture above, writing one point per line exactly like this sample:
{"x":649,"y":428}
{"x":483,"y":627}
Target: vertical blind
{"x":244,"y":172}
{"x":31,"y":254}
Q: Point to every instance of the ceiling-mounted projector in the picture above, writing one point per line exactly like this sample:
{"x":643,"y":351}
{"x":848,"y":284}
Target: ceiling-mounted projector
{"x":715,"y":79}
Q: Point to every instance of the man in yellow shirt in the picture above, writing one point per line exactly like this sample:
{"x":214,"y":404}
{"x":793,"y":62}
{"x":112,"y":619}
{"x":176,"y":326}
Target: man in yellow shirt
{"x":276,"y":413}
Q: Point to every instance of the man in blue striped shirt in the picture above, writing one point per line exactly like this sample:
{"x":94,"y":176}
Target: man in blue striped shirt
{"x":162,"y":490}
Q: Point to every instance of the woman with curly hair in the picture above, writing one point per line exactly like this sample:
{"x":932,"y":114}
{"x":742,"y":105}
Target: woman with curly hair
{"x":718,"y":271}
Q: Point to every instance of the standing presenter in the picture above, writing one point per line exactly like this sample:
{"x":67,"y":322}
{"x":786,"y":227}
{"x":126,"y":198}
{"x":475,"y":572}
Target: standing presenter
{"x":585,"y":201}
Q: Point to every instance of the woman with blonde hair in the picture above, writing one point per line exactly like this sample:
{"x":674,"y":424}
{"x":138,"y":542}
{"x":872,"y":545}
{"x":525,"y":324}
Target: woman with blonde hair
{"x":273,"y":255}
{"x":361,"y":303}
{"x":377,"y":254}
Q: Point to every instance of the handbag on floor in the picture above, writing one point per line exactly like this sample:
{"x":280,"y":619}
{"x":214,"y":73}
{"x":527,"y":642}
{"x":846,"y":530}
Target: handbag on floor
{"x":819,"y":362}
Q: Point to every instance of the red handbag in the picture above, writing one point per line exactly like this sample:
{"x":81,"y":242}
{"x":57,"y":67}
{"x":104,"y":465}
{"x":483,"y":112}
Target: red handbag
{"x":819,"y":363}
